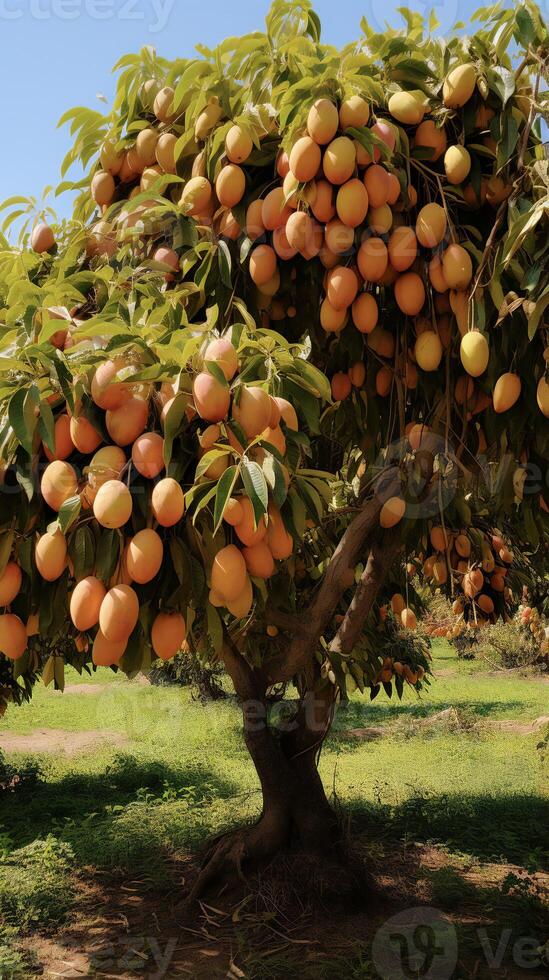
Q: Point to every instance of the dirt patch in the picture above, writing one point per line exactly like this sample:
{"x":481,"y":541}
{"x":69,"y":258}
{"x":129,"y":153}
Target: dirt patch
{"x":449,"y":719}
{"x":529,"y":674}
{"x":519,"y":727}
{"x":124,"y":929}
{"x":86,"y":688}
{"x":366,"y":734}
{"x":59,"y":741}
{"x":140,"y":681}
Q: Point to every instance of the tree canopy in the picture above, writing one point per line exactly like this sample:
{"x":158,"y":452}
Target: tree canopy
{"x":287,"y":359}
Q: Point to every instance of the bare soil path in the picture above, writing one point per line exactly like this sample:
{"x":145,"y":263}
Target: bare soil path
{"x":57,"y":740}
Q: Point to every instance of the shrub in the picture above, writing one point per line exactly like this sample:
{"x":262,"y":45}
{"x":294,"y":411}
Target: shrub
{"x":507,"y":645}
{"x":12,"y":962}
{"x":466,"y":643}
{"x":35,"y":885}
{"x":13,"y":777}
{"x":206,"y":682}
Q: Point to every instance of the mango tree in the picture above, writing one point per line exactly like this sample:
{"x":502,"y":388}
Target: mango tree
{"x":285,"y":366}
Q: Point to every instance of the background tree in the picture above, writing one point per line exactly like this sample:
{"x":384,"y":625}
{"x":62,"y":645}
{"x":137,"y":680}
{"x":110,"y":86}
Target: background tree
{"x":288,"y":352}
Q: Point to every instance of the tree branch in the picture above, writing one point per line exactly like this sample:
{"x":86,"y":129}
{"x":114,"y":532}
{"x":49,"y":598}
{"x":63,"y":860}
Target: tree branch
{"x":345,"y":556}
{"x":382,"y":555}
{"x":309,"y":625}
{"x":502,"y":211}
{"x":246,"y":681}
{"x":530,"y":120}
{"x":289,"y":622}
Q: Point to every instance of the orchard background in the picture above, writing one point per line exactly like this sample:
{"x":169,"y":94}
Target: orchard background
{"x":274,"y":405}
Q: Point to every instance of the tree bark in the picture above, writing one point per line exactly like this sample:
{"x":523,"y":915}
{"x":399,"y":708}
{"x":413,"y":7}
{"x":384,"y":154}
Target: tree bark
{"x":294,"y":799}
{"x":314,"y":818}
{"x":295,"y":810}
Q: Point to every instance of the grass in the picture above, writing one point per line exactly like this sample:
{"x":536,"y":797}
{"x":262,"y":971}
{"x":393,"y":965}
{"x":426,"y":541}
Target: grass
{"x":35,"y":883}
{"x":436,"y":784}
{"x":184,"y":775}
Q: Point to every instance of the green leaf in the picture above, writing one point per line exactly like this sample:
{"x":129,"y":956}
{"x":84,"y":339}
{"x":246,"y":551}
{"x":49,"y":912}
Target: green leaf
{"x":502,"y":82}
{"x":225,"y":263}
{"x":209,"y":490}
{"x":6,"y":544}
{"x":251,"y":369}
{"x":496,"y":292}
{"x":312,"y":499}
{"x":172,"y":424}
{"x":196,"y":493}
{"x":180,"y":560}
{"x":508,"y":141}
{"x":46,"y":425}
{"x":69,"y":513}
{"x":212,"y":456}
{"x":299,"y":513}
{"x":245,"y":248}
{"x":48,"y":673}
{"x":464,"y":511}
{"x":82,"y":552}
{"x":108,"y":555}
{"x":255,"y":486}
{"x":224,"y":492}
{"x":65,"y":380}
{"x":213,"y":368}
{"x":536,"y":315}
{"x":59,"y":673}
{"x":133,"y":660}
{"x":369,"y":141}
{"x":274,"y":474}
{"x":318,"y":383}
{"x":525,"y":31}
{"x":314,"y":26}
{"x":531,"y":528}
{"x":21,"y":413}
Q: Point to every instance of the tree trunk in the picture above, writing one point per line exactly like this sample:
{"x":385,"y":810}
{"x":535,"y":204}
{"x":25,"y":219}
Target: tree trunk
{"x":313,"y":816}
{"x":295,"y":808}
{"x":295,"y":811}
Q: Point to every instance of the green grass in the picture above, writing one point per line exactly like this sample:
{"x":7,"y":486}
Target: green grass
{"x":433,"y":784}
{"x":35,"y":884}
{"x":476,"y":793}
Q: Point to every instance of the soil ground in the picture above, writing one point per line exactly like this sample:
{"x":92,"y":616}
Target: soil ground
{"x":446,"y":804}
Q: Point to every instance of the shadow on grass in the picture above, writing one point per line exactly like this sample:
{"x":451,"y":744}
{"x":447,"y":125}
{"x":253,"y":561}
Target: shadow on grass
{"x":492,"y":828}
{"x":126,"y":817}
{"x":356,"y":714}
{"x":515,"y":903}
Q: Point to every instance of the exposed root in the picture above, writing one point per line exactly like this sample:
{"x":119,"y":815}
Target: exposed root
{"x":252,"y":847}
{"x":223,"y":861}
{"x":277,"y":867}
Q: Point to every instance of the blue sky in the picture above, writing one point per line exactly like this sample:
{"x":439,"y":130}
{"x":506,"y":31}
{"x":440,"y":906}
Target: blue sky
{"x":55,"y":54}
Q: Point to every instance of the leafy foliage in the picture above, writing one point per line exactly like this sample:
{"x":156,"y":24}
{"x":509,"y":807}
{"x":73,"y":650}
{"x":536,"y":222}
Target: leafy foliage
{"x":34,"y":883}
{"x":160,"y":259}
